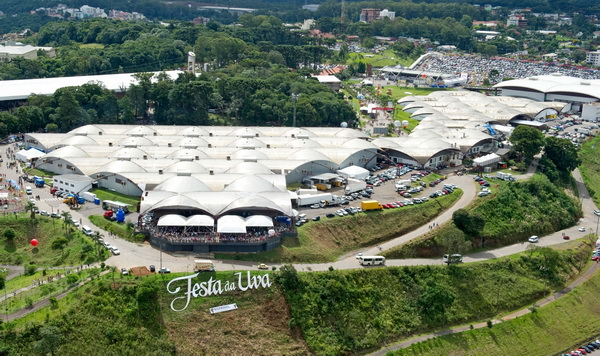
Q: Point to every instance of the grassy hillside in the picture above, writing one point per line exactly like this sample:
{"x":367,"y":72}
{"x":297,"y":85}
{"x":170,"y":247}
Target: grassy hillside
{"x":325,"y":240}
{"x":565,"y":323}
{"x":72,"y":248}
{"x":513,"y":213}
{"x":348,"y":311}
{"x":590,"y":167}
{"x":337,"y":312}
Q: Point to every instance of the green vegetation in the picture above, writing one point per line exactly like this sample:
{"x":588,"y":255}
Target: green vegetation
{"x":325,"y":240}
{"x":514,"y":212}
{"x":73,"y":250}
{"x":124,"y":230}
{"x":343,"y":312}
{"x":105,"y":194}
{"x":38,"y":172}
{"x":590,"y":167}
{"x":567,"y":322}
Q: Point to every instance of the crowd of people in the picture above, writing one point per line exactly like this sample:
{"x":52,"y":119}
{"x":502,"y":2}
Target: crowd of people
{"x":478,"y":68}
{"x":200,"y":234}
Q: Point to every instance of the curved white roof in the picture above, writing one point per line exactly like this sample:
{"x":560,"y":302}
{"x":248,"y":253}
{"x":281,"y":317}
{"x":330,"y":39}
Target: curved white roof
{"x":88,"y":130}
{"x":182,"y":184}
{"x":121,"y":167}
{"x":251,"y":184}
{"x":191,"y":142}
{"x":308,"y":155}
{"x":249,"y":168}
{"x":247,"y":143}
{"x":193,"y":131}
{"x":555,"y":84}
{"x":136,"y":141}
{"x":67,"y":152}
{"x":259,"y":221}
{"x":187,"y":153}
{"x":253,"y":202}
{"x":231,"y":224}
{"x":200,"y":220}
{"x":187,"y":167}
{"x":127,"y":152}
{"x":301,"y":143}
{"x":172,"y":220}
{"x":78,"y":141}
{"x":140,"y":131}
{"x":249,"y":155}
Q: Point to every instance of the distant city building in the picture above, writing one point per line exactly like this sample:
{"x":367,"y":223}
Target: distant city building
{"x":492,"y":24}
{"x":201,"y":20}
{"x":311,"y":7}
{"x":370,"y":15}
{"x":516,"y":20}
{"x":86,"y":11}
{"x":9,"y":52}
{"x":308,"y":23}
{"x":329,"y":80}
{"x":232,"y":10}
{"x":593,"y":58}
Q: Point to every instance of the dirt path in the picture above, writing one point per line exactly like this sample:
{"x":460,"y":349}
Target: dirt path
{"x":582,"y":278}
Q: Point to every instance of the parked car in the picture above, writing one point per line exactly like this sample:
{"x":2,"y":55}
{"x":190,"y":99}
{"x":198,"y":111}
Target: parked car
{"x":316,"y":218}
{"x":124,"y":271}
{"x":566,"y":237}
{"x":534,"y":239}
{"x":263,"y":266}
{"x":44,"y":213}
{"x":582,"y":229}
{"x":55,"y":216}
{"x":330,"y":215}
{"x":152,"y":268}
{"x":164,"y":270}
{"x":116,"y":251}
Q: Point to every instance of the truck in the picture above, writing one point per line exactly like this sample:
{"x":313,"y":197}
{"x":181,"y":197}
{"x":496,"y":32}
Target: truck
{"x":366,"y":205}
{"x":305,"y":200}
{"x":204,"y":266}
{"x":39,"y":182}
{"x":585,"y":131}
{"x":88,"y":196}
{"x":354,"y":185}
{"x":403,"y":182}
{"x":303,"y":191}
{"x":504,"y":176}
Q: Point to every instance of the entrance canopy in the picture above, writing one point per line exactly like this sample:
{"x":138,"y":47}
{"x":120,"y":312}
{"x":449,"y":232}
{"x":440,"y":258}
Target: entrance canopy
{"x":486,"y":160}
{"x":259,"y":221}
{"x":232,"y":224}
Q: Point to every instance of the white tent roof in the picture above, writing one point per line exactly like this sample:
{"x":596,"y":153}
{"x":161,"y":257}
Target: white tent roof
{"x":25,"y":155}
{"x":172,"y":220}
{"x":354,"y":172}
{"x":486,"y":160}
{"x":200,"y":220}
{"x":231,"y":224}
{"x":259,"y":220}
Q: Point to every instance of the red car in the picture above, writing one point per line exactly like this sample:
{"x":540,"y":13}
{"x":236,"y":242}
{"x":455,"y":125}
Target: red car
{"x":566,"y":237}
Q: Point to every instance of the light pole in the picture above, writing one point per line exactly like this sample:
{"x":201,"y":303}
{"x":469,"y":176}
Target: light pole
{"x":295,"y":100}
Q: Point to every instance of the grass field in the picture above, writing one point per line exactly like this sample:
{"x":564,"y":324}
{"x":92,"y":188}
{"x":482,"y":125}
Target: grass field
{"x":105,"y":194}
{"x":552,"y":329}
{"x":387,"y":58}
{"x":325,"y":240}
{"x":119,"y":229}
{"x":75,"y":249}
{"x":590,"y":167}
{"x":92,"y":45}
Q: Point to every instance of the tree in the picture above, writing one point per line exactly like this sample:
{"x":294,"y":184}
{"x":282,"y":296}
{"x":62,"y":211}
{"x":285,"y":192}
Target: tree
{"x":51,"y":339}
{"x":9,"y":233}
{"x":435,"y":299}
{"x":527,"y":142}
{"x":562,"y":153}
{"x":453,"y":240}
{"x":31,"y":208}
{"x":59,"y":243}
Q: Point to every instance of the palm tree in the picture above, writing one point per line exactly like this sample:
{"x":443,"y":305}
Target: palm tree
{"x":66,"y":219}
{"x":30,"y":207}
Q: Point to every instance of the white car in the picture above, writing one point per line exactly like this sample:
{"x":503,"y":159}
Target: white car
{"x":582,"y":229}
{"x":315,"y":206}
{"x":359,"y":255}
{"x":534,"y":239}
{"x":116,"y":251}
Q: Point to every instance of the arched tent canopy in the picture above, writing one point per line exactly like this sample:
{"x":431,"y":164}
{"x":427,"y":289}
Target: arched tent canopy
{"x":128,"y":152}
{"x":178,"y":202}
{"x":308,"y":155}
{"x":252,"y":202}
{"x":190,"y":142}
{"x":87,"y":130}
{"x":246,"y":132}
{"x":259,"y":221}
{"x":172,"y":220}
{"x":358,"y":143}
{"x":193,"y":131}
{"x":67,"y":152}
{"x":77,"y":141}
{"x":249,"y":143}
{"x":182,"y":184}
{"x":350,"y":133}
{"x":188,"y":154}
{"x":122,"y":167}
{"x":298,"y":132}
{"x":186,"y":167}
{"x":252,"y":155}
{"x":386,"y":143}
{"x":136,"y":142}
{"x":201,"y":220}
{"x":301,"y":143}
{"x":249,"y":168}
{"x":140,"y":131}
{"x":231,"y":224}
{"x":250,"y":184}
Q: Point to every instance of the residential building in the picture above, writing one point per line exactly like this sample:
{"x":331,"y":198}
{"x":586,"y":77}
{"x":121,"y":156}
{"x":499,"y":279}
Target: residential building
{"x":593,"y":58}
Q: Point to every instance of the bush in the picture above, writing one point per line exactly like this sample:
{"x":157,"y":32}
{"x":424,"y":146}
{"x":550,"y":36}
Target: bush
{"x":30,"y":270}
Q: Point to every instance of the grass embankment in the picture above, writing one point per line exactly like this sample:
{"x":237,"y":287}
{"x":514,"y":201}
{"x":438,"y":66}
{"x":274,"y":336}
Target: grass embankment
{"x":326,"y":240}
{"x":351,"y":311}
{"x":58,"y":244}
{"x":512,"y":213}
{"x":132,"y":316}
{"x":590,"y":167}
{"x":552,"y":329}
{"x":386,"y":58}
{"x":105,"y":194}
{"x":124,"y":230}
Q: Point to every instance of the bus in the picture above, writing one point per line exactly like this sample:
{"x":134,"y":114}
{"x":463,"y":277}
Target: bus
{"x":371,"y":260}
{"x":115,"y":205}
{"x":204,"y":266}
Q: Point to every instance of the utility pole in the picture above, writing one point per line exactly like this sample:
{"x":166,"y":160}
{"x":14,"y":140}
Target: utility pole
{"x":295,"y":100}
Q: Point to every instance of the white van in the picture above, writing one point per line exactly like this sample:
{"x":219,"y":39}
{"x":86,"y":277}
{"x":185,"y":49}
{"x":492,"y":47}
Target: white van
{"x":28,"y":190}
{"x":371,"y":260}
{"x":86,"y":230}
{"x":455,"y":258}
